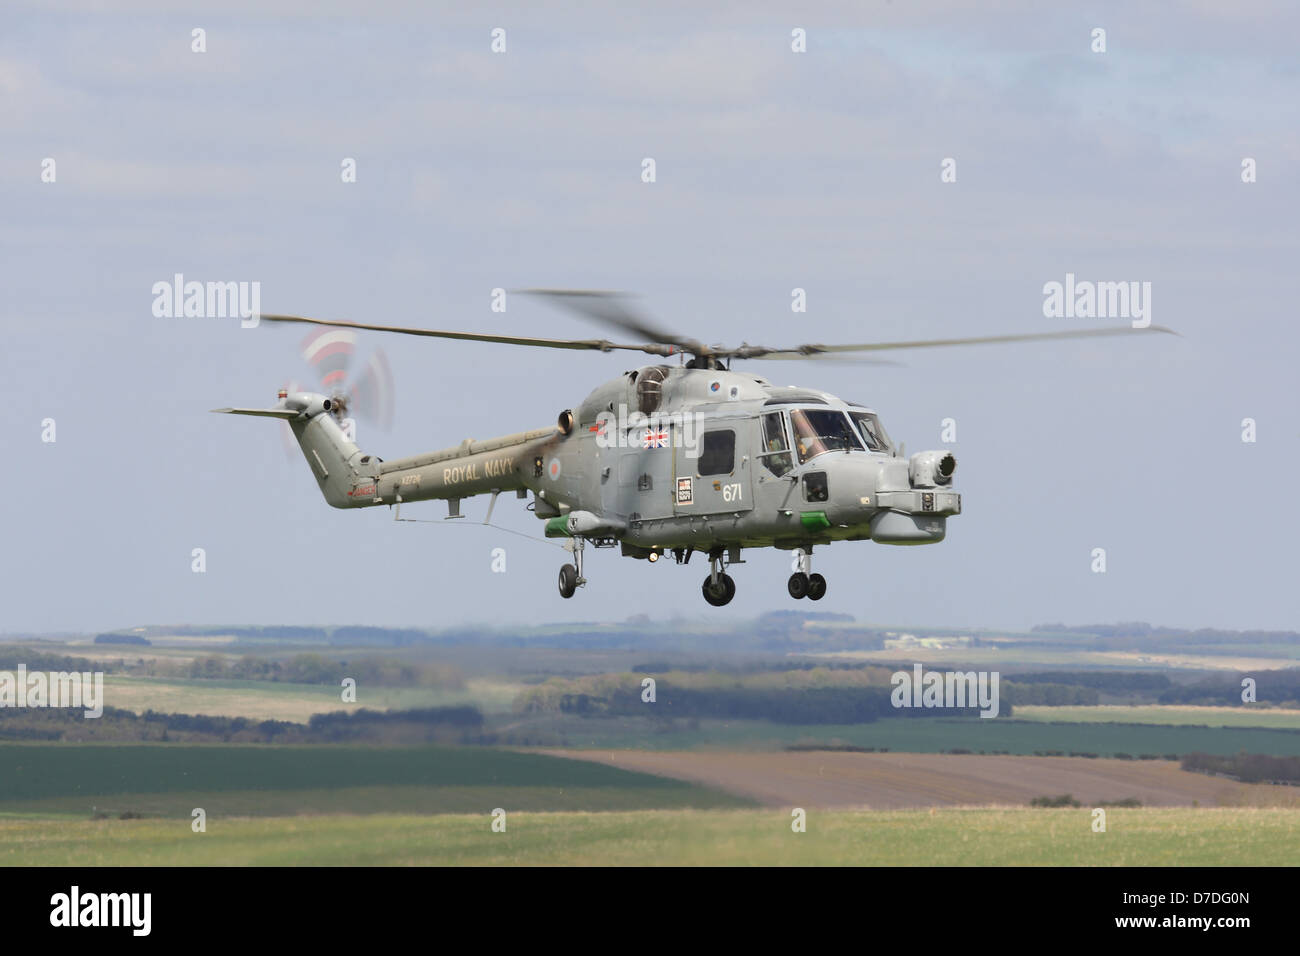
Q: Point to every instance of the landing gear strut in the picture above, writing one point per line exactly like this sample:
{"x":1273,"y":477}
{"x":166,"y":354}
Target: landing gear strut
{"x":571,"y":574}
{"x":802,"y":584}
{"x":718,"y":587}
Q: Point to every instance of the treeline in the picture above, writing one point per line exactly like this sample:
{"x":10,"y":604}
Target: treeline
{"x":821,"y":705}
{"x":318,"y":669}
{"x":343,"y":635}
{"x":813,"y":694}
{"x":122,"y":639}
{"x":11,"y":656}
{"x":1272,"y":688}
{"x":548,"y":696}
{"x":389,"y":724}
{"x":1142,"y":629}
{"x":796,"y":697}
{"x":434,"y":724}
{"x":307,"y":668}
{"x":1249,"y":768}
{"x":1048,"y":695}
{"x":1112,"y":682}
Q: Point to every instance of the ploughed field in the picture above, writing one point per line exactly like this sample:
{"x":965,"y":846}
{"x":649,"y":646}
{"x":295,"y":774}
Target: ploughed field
{"x":896,"y":781}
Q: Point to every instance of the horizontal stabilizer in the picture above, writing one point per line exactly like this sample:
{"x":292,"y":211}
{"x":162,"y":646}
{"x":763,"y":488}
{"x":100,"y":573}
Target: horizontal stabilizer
{"x":285,"y":413}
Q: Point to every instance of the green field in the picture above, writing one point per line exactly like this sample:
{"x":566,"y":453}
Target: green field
{"x":276,"y":700}
{"x":910,"y":734}
{"x":1141,"y":837}
{"x":1167,"y":715}
{"x":254,"y":780}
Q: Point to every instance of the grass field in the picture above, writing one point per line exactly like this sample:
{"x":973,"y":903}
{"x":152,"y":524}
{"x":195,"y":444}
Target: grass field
{"x":1066,"y":658}
{"x":249,"y":780}
{"x":1140,"y":837}
{"x":1167,"y":715}
{"x":911,"y":734}
{"x":267,"y":700}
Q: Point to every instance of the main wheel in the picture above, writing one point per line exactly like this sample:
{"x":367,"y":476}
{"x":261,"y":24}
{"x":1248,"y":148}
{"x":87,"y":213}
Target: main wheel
{"x":798,"y":585}
{"x":816,"y":587}
{"x":722,"y":594}
{"x":568,"y":580}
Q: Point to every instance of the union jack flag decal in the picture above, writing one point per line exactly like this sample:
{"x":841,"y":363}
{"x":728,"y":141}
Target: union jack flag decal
{"x":655,"y":438}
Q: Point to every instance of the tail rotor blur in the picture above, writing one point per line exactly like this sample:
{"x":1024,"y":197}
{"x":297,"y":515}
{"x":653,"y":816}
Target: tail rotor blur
{"x":368,"y":396}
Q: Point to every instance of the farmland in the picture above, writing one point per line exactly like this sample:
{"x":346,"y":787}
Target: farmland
{"x":915,"y":735}
{"x":1136,"y":837}
{"x":172,"y":779}
{"x":898,"y":781}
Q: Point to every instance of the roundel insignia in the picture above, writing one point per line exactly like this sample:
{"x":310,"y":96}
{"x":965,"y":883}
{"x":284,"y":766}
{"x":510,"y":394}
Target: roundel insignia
{"x":715,"y":386}
{"x":553,"y":469}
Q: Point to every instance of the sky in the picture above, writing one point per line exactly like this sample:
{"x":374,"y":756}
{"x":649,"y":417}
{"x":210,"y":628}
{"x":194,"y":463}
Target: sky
{"x":774,"y":170}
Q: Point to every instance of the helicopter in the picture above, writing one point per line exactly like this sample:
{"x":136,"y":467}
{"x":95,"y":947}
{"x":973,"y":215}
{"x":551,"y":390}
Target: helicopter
{"x":667,"y":459}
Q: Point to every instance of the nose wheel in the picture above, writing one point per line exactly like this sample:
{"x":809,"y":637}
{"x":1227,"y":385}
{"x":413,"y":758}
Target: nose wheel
{"x":568,"y":581}
{"x":805,"y":585}
{"x":571,"y":574}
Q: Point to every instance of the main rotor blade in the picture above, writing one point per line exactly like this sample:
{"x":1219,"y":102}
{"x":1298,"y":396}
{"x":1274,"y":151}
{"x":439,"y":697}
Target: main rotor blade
{"x":597,"y":345}
{"x":611,"y":308}
{"x":816,"y":350}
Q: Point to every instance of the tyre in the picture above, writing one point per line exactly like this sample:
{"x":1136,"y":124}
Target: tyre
{"x":798,"y":585}
{"x":568,"y":580}
{"x":816,"y":587}
{"x":722,"y":593}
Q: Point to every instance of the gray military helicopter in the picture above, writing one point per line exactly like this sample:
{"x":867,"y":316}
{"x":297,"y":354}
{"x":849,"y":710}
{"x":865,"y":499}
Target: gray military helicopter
{"x":680,"y":459}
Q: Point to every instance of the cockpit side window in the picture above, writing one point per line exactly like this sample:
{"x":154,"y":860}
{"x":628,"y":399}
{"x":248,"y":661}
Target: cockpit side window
{"x":817,"y":431}
{"x":776,"y":451}
{"x":871,"y":431}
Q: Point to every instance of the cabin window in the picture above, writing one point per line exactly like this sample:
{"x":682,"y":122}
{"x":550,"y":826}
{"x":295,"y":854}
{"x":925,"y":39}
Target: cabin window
{"x":776,"y":450}
{"x":718,"y":452}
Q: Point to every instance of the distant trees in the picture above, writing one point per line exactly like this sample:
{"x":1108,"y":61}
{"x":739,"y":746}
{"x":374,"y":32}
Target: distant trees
{"x":122,"y":639}
{"x":1249,"y":768}
{"x":1051,"y":695}
{"x":1275,"y":688}
{"x":816,"y":696}
{"x":313,"y":668}
{"x":442,"y":724}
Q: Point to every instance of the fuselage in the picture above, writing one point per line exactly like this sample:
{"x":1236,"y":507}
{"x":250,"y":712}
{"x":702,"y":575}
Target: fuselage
{"x":667,"y":457}
{"x":679,"y":457}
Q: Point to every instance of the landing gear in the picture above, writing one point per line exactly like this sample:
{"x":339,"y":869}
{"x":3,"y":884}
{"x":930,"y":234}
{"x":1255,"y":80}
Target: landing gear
{"x":805,"y":585}
{"x":720,"y":593}
{"x":718,"y":588}
{"x":571,"y":574}
{"x":568,"y":580}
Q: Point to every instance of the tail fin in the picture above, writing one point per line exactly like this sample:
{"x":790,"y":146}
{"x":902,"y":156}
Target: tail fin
{"x":346,"y":477}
